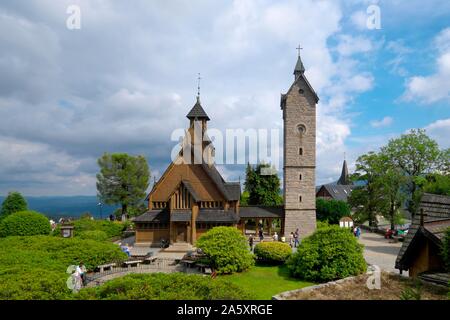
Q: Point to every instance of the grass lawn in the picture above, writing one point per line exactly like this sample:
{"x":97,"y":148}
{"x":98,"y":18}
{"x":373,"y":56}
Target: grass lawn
{"x":266,"y":281}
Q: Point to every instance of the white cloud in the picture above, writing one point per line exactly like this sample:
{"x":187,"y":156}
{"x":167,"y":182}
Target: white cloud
{"x":440,"y":131}
{"x":349,"y":45}
{"x":385,"y":122}
{"x":435,"y":87}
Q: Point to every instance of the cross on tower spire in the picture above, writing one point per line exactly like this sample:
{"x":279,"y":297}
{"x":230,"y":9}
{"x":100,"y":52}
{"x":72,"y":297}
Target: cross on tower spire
{"x":299,"y":48}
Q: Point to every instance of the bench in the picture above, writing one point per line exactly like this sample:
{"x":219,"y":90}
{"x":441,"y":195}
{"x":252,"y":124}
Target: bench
{"x":133,"y":263}
{"x":105,"y":267}
{"x":150,"y":260}
{"x":208,"y":271}
{"x":188,"y":263}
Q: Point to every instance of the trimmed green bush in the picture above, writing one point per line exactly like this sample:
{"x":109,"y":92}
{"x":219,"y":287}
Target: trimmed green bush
{"x":25,"y":223}
{"x":161,"y":286}
{"x":227,"y":249}
{"x":273,"y":252}
{"x":322,"y":224}
{"x":93,"y":235}
{"x":35,"y":267}
{"x":328,"y":254}
{"x":14,"y":202}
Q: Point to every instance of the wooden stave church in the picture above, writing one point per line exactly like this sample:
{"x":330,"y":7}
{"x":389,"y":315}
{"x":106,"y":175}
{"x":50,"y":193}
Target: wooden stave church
{"x":191,"y":198}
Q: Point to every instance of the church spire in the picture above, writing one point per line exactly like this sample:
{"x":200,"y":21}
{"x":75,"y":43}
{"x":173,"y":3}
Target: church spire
{"x":197,"y":112}
{"x":344,"y":179}
{"x":299,"y":67}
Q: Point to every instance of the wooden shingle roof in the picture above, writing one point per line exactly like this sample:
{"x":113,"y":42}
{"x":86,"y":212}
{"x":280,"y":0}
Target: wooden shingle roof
{"x":436,"y":219}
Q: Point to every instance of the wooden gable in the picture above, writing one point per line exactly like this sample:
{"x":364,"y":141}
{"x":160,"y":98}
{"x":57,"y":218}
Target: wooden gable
{"x":202,"y":185}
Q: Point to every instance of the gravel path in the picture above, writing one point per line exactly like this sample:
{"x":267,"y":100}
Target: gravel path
{"x":380,"y":251}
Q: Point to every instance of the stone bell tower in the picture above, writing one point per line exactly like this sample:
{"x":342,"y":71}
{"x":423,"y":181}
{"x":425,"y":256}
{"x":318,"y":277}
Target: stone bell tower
{"x":299,"y":119}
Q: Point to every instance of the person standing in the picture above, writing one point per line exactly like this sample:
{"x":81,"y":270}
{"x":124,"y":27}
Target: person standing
{"x":296,"y":238}
{"x":261,"y":235}
{"x":80,"y":273}
{"x":275,"y":236}
{"x":250,"y":242}
{"x":291,"y":239}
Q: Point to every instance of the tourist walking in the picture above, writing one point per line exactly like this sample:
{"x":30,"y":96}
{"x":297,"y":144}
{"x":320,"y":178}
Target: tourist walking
{"x":358,"y":232}
{"x":80,"y":274}
{"x":250,"y":242}
{"x":291,"y":239}
{"x":261,"y":235}
{"x":296,"y":238}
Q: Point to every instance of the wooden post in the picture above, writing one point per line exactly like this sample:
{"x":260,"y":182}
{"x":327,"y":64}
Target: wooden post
{"x":194,"y":215}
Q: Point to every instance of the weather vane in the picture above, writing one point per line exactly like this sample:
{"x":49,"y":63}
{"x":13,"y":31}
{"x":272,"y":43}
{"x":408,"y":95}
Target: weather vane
{"x":198,"y":87}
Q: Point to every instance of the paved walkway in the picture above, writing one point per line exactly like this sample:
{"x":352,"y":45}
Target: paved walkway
{"x":380,"y":251}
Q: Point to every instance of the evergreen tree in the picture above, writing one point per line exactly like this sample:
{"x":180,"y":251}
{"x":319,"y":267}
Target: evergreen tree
{"x":263,"y":189}
{"x":123,"y":179}
{"x":14,"y":202}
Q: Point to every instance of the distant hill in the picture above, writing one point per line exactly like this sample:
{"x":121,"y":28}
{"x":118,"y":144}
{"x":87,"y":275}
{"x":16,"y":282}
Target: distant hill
{"x":73,"y":206}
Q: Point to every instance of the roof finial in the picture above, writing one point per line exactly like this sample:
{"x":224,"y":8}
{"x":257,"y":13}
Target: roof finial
{"x":344,"y":156}
{"x":198,"y":87}
{"x":299,"y":68}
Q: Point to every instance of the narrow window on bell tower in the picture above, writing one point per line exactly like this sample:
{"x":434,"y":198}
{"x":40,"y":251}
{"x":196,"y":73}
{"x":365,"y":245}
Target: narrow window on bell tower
{"x":300,"y":177}
{"x":299,"y":198}
{"x":300,"y":151}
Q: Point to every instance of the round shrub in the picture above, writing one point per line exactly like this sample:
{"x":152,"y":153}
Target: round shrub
{"x":227,"y":249}
{"x":161,"y":286}
{"x":273,"y":252}
{"x":93,"y":235}
{"x":329,"y":254}
{"x":25,"y":223}
{"x":111,"y":228}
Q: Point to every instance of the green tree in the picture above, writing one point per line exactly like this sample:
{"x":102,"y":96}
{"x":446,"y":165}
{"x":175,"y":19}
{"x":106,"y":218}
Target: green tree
{"x":367,"y":200}
{"x":415,"y":154}
{"x":123,"y":179}
{"x":263,"y":188}
{"x":331,"y":210}
{"x":390,"y":181}
{"x":14,"y":202}
{"x":437,"y":184}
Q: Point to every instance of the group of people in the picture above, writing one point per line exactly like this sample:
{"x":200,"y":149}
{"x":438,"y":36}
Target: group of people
{"x":356,"y":231}
{"x":77,"y":279}
{"x":294,"y":238}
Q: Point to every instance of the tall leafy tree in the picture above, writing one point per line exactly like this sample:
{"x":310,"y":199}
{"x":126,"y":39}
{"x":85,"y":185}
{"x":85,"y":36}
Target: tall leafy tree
{"x":123,"y":180}
{"x":263,"y":189}
{"x":14,"y":202}
{"x":367,"y":200}
{"x":415,"y":154}
{"x":390,"y":181}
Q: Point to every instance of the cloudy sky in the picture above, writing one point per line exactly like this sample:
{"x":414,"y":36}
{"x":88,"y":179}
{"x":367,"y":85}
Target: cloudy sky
{"x":126,"y":79}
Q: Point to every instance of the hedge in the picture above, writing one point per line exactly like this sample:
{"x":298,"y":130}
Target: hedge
{"x":34,"y":267}
{"x":328,"y":254}
{"x":97,"y":235}
{"x":227,"y":249}
{"x":110,"y":228}
{"x":25,"y":223}
{"x":273,"y":252}
{"x":161,"y":286}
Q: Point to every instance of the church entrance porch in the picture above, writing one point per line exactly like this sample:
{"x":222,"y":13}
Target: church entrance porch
{"x":180,"y":232}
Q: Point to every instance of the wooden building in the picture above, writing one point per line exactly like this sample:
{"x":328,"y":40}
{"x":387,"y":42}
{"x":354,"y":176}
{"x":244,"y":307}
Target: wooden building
{"x":421,"y":250}
{"x":339,"y":190}
{"x":191,"y":196}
